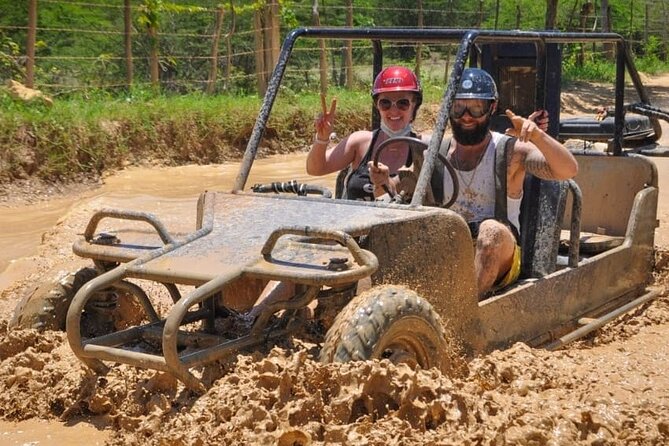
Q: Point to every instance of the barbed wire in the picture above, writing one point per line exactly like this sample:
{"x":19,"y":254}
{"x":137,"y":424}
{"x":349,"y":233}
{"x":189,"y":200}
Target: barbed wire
{"x":133,"y":33}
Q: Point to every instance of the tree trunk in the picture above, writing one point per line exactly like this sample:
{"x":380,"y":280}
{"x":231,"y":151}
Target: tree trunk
{"x":228,"y":45}
{"x":551,"y":13}
{"x":448,"y":64}
{"x":665,"y":39}
{"x":153,"y":57}
{"x":323,"y":56}
{"x":127,"y":40}
{"x":587,"y":9}
{"x":30,"y":43}
{"x":274,"y":34}
{"x":259,"y":57}
{"x":645,"y":27}
{"x":631,"y":27}
{"x":213,"y":68}
{"x":571,"y":15}
{"x":606,"y":27}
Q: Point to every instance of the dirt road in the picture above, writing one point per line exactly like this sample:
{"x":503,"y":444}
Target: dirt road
{"x":611,"y":388}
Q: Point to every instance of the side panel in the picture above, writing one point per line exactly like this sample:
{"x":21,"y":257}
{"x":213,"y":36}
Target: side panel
{"x":433,"y":256}
{"x":536,"y":308}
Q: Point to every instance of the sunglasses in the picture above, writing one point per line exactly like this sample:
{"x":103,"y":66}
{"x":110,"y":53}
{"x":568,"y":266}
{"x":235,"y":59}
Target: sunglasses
{"x":401,"y":104}
{"x":475,"y":110}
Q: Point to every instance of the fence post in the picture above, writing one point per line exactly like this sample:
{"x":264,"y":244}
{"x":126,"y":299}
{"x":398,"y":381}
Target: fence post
{"x":419,"y":47}
{"x":30,"y":44}
{"x":323,"y":56}
{"x":274,"y":34}
{"x":348,"y":58}
{"x":127,"y":39}
{"x":213,"y":68}
{"x":228,"y":45}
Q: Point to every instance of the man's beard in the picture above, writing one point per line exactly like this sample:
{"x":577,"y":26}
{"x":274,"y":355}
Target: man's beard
{"x":470,"y":137}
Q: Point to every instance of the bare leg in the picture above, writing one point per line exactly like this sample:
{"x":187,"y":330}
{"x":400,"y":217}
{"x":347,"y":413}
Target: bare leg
{"x":494,"y":254}
{"x":275,"y":291}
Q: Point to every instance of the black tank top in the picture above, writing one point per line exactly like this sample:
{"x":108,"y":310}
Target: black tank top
{"x":359,"y":186}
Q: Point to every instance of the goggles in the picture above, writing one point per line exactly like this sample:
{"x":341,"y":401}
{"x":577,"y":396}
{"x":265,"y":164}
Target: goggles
{"x":476,"y":110}
{"x":401,"y":104}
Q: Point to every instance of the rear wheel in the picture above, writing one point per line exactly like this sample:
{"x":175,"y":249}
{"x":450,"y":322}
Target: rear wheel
{"x":390,"y":322}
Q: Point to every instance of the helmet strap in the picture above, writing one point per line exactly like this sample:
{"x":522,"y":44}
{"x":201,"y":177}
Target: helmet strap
{"x":492,"y":108}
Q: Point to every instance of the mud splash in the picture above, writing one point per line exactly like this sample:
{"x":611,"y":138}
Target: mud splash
{"x":610,"y":388}
{"x":601,"y":392}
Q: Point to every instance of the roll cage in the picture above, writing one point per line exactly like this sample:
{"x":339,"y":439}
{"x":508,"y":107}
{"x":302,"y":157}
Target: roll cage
{"x":472,"y":50}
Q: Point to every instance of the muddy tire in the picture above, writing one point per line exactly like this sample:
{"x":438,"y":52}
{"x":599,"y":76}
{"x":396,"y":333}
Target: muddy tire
{"x":46,"y":307}
{"x":389,"y":322}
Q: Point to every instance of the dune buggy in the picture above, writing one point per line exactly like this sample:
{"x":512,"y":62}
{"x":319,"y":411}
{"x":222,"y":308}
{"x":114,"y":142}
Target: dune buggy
{"x":587,"y":245}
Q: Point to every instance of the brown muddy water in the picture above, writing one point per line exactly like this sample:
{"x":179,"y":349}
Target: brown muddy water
{"x":23,"y":226}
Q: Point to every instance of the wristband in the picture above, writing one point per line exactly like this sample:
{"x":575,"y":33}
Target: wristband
{"x":321,"y":141}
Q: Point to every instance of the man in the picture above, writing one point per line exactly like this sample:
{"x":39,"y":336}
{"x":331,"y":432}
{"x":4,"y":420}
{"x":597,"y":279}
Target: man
{"x":472,"y":152}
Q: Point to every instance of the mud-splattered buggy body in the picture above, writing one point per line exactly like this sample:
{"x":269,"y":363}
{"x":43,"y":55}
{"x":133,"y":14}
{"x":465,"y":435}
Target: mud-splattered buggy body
{"x":417,"y":259}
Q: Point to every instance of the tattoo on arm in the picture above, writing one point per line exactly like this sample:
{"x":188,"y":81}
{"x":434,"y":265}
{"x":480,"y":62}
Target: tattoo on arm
{"x":536,"y":164}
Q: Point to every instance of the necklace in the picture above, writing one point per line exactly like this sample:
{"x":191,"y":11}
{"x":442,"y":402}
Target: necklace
{"x":460,"y":171}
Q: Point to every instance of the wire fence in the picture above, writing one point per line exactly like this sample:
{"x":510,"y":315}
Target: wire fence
{"x":206,"y":46}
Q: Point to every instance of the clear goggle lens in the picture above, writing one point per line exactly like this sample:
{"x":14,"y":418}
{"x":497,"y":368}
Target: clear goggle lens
{"x":476,"y":110}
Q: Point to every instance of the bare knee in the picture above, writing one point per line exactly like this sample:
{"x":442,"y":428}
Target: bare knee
{"x":495,"y":246}
{"x":495,"y":238}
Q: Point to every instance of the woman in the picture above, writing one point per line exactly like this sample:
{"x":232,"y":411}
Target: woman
{"x":397,"y":95}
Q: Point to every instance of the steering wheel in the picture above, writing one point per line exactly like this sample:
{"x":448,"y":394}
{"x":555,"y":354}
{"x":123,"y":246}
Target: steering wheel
{"x":292,"y":186}
{"x":403,"y":195}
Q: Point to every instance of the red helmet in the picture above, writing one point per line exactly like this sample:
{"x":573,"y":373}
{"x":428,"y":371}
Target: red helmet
{"x":396,"y":78}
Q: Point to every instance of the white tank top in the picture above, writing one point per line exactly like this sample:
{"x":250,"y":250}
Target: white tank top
{"x":476,"y":200}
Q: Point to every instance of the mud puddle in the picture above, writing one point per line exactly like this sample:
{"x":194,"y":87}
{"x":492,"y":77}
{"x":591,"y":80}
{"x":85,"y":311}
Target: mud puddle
{"x":37,"y":432}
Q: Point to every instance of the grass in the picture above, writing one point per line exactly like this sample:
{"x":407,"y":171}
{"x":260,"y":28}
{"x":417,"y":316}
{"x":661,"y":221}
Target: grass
{"x":93,"y":133}
{"x":89,"y":135}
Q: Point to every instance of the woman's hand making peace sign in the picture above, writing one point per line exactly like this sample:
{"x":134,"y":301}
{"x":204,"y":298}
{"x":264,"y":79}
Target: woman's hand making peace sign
{"x":325,"y":121}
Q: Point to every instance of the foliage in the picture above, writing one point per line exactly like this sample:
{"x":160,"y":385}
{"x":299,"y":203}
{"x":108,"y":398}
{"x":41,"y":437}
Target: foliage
{"x":93,"y":58}
{"x":97,"y":129}
{"x":9,"y":58}
{"x":93,"y":133}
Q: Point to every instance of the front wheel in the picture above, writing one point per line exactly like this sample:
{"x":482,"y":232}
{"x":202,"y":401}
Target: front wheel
{"x":390,"y":322}
{"x":46,"y":307}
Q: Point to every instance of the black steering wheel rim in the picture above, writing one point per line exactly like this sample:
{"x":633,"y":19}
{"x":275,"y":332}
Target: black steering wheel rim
{"x":411,"y":140}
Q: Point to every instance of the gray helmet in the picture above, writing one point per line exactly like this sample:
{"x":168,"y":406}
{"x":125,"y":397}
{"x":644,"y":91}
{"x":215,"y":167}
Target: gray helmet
{"x":476,"y":84}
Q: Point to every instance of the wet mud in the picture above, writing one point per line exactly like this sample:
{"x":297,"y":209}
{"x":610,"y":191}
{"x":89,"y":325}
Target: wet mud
{"x":610,"y":388}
